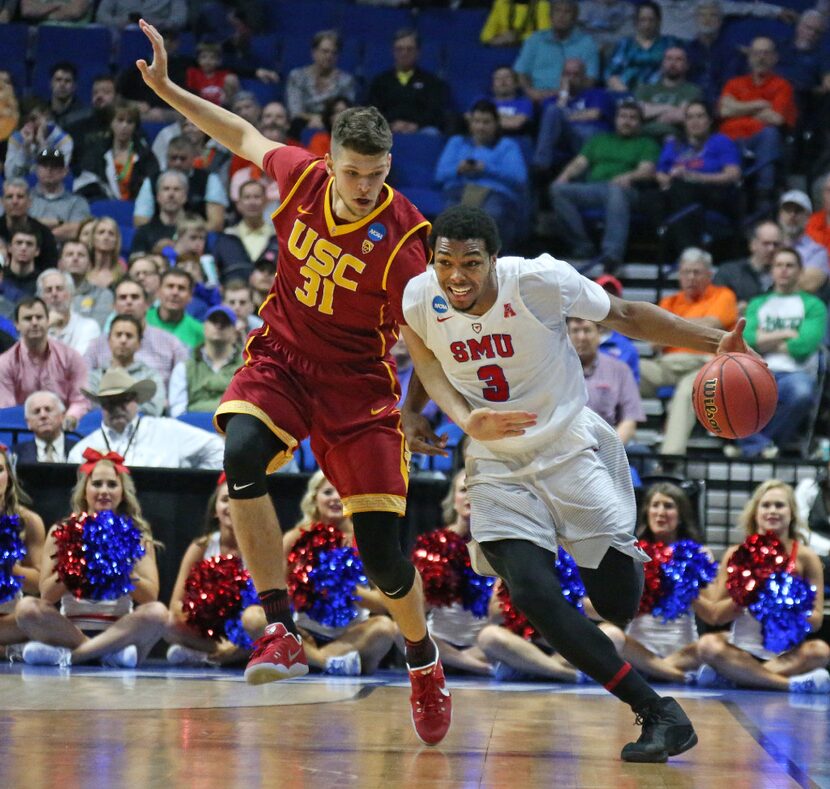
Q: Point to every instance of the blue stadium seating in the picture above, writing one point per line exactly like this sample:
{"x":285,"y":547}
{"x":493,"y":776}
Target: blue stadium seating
{"x":89,"y":422}
{"x":265,"y":92}
{"x":14,"y":41}
{"x":303,"y":19}
{"x":13,"y":427}
{"x":87,"y":47}
{"x":132,"y":45}
{"x":202,"y":419}
{"x":414,"y":157}
{"x":305,"y":457}
{"x":119,"y":210}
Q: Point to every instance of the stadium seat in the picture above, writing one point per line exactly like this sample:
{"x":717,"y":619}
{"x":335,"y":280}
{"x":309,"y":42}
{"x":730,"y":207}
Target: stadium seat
{"x":119,"y":210}
{"x":202,"y":419}
{"x":87,"y":47}
{"x":89,"y":422}
{"x":13,"y":44}
{"x":13,"y":425}
{"x":460,"y":26}
{"x":414,"y":157}
{"x":303,"y":20}
{"x":305,"y":457}
{"x":151,"y":129}
{"x":132,"y":45}
{"x":265,"y":92}
{"x":127,"y":233}
{"x":266,"y":49}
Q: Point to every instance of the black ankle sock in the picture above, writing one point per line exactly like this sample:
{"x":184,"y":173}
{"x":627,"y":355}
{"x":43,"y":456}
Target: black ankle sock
{"x":420,"y":653}
{"x":277,"y":608}
{"x":630,"y":687}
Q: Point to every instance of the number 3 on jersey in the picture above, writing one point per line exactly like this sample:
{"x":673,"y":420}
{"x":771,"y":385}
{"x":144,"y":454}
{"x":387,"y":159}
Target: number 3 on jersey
{"x":497,"y":389}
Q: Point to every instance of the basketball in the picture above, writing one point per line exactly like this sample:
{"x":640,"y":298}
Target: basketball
{"x":734,"y":395}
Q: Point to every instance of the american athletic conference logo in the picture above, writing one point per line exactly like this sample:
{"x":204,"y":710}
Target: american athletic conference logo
{"x":440,"y":305}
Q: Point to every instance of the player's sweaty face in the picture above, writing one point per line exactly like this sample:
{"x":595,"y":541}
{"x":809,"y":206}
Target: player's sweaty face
{"x":358,"y":179}
{"x":466,"y":274}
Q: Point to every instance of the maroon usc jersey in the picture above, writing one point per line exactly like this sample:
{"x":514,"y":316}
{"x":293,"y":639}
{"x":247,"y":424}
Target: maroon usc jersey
{"x":337,"y":293}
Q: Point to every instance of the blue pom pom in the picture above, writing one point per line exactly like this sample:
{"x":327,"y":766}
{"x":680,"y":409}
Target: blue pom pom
{"x":783,"y":607}
{"x":333,"y":582}
{"x":12,"y":551}
{"x":112,"y":546}
{"x":233,"y":627}
{"x":475,"y":592}
{"x":569,"y":579}
{"x":683,"y":577}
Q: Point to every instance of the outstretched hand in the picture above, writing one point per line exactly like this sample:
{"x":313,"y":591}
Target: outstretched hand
{"x":734,"y":342}
{"x":154,"y":74}
{"x":420,"y":436}
{"x":485,"y":424}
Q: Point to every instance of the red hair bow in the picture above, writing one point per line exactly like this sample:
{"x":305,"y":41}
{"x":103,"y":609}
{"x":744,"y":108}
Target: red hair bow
{"x":93,"y":456}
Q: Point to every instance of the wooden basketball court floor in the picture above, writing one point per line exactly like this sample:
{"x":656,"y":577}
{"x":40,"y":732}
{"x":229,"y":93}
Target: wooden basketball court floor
{"x":163,"y":727}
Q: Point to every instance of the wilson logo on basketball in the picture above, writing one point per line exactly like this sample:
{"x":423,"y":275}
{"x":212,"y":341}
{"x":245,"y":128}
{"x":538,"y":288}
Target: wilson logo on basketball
{"x":710,"y":410}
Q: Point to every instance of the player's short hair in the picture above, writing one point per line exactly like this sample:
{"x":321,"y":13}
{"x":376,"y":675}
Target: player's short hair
{"x":362,"y":130}
{"x":462,"y":222}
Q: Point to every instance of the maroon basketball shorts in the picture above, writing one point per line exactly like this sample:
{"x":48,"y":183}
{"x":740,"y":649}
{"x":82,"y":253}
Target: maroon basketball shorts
{"x":349,"y":410}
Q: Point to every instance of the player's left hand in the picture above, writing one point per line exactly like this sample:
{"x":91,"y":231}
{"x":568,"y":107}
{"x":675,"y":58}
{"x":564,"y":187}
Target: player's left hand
{"x":420,"y":436}
{"x":485,"y":424}
{"x":734,"y":342}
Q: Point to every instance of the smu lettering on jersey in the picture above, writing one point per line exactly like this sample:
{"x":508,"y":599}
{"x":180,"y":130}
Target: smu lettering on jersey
{"x":338,"y":290}
{"x":508,"y":358}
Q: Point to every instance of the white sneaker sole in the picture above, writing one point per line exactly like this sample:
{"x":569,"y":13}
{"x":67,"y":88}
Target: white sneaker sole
{"x":262,"y":673}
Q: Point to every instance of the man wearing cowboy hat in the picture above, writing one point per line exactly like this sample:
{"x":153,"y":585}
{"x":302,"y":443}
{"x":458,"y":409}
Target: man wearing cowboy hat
{"x":154,"y":441}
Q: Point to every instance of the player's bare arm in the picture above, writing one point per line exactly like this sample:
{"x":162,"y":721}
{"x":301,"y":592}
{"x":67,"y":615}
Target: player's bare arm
{"x":643,"y":321}
{"x":226,"y":128}
{"x":483,"y":424}
{"x":420,"y":436}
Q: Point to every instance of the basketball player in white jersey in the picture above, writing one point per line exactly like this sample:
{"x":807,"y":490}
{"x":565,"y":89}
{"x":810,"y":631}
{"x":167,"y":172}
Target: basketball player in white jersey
{"x":490,"y":345}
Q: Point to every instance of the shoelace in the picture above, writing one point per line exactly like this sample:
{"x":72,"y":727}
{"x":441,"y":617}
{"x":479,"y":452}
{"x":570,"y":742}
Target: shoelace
{"x":428,"y":696}
{"x":259,"y":646}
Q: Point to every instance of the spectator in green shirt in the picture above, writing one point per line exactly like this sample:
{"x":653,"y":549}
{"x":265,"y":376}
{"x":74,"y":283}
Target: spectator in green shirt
{"x":786,"y":326}
{"x":175,"y":293}
{"x":612,"y":164}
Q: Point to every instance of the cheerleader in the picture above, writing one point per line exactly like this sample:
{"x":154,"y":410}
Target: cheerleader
{"x":187,"y":645}
{"x":454,"y":629}
{"x":740,"y":655}
{"x":358,"y":647}
{"x":117,"y":632}
{"x":665,"y":651}
{"x":29,"y":529}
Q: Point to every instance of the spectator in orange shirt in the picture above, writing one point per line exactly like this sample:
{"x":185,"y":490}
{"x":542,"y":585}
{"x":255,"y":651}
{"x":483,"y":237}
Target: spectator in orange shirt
{"x":701,"y":302}
{"x":818,"y":225}
{"x":756,"y":108}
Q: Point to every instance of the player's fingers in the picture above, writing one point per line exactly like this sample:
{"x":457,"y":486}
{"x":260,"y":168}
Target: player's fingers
{"x":421,"y":447}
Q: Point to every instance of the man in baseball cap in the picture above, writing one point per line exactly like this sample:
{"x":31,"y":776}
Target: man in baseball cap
{"x":794,"y":209}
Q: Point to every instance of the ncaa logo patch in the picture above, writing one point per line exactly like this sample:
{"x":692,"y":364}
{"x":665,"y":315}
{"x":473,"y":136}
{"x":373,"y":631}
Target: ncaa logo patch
{"x":377,"y":231}
{"x":439,"y":304}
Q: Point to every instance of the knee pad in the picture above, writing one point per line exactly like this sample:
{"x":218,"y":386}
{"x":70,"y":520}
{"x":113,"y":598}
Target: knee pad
{"x":378,"y":540}
{"x":249,"y":446}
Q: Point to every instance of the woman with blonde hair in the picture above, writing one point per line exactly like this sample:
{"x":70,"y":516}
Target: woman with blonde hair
{"x":105,"y":250}
{"x":31,"y":534}
{"x":118,"y":632}
{"x":356,"y":648}
{"x":740,"y":655}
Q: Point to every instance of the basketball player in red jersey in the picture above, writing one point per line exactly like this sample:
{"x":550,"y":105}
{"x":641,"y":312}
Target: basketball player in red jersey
{"x":320,"y":366}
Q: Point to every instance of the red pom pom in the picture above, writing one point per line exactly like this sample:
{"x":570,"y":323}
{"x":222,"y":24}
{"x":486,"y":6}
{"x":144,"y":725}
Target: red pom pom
{"x":213,"y":594}
{"x":660,"y":553}
{"x":759,"y":557}
{"x":302,"y":558}
{"x":514,"y":620}
{"x":70,"y":564}
{"x":440,"y":557}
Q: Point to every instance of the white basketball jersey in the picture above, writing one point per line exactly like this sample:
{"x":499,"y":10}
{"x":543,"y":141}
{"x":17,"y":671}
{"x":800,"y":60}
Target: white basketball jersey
{"x":508,"y":358}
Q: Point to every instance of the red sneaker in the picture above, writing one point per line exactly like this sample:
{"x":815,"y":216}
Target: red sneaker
{"x":431,"y":703}
{"x":278,"y":654}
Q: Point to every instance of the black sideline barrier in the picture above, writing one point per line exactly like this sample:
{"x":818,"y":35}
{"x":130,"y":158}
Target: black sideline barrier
{"x":174,"y":502}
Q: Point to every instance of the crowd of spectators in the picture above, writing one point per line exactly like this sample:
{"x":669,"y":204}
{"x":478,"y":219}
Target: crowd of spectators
{"x":133,"y":242}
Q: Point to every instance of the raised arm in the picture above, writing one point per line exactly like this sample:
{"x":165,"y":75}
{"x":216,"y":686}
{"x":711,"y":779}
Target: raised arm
{"x":226,"y":128}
